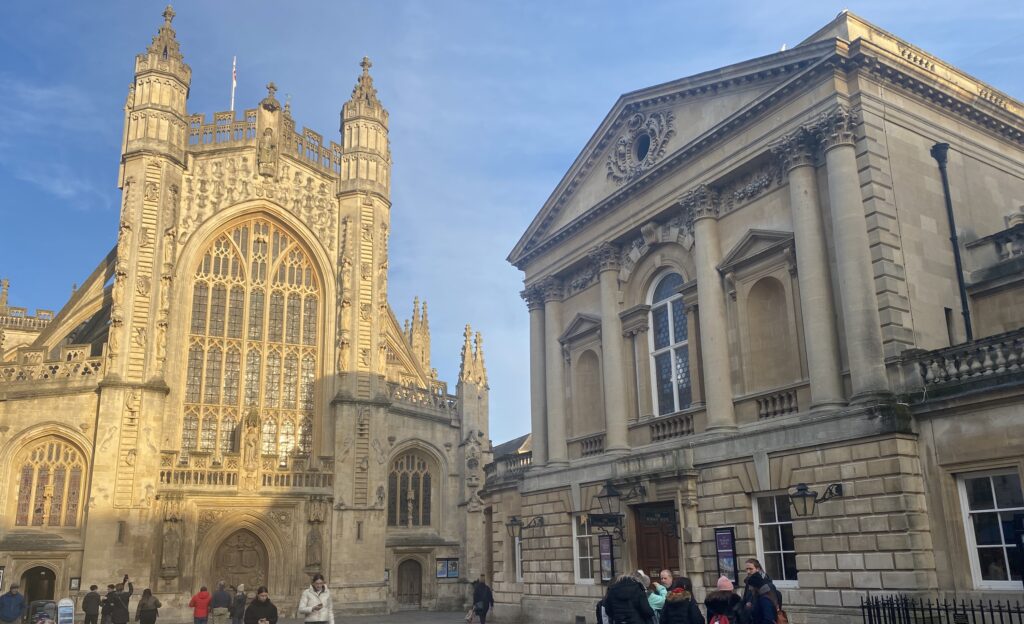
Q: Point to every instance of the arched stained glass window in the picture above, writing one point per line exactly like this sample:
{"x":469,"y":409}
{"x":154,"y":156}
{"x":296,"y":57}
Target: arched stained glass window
{"x":253,"y":342}
{"x":49,"y":476}
{"x":669,"y":345}
{"x":409,"y":496}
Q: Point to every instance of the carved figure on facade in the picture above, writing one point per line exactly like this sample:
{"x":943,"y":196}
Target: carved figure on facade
{"x":380,"y":496}
{"x":266,"y":155}
{"x":641,"y":146}
{"x":108,"y":437}
{"x":126,"y":199}
{"x":124,"y":240}
{"x":151,"y":194}
{"x":139,"y":337}
{"x":250,"y":453}
{"x":314,"y":546}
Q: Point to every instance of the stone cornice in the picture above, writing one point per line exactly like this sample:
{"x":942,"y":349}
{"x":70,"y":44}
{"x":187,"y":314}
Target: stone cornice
{"x":845,"y":57}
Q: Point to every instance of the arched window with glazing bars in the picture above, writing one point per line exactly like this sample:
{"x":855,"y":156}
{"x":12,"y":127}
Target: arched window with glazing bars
{"x":409,"y":491}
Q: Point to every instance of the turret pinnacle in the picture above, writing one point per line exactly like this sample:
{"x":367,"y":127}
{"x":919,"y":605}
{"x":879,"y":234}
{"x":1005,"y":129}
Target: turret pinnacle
{"x":472,"y":369}
{"x":364,"y":91}
{"x":165,"y":43}
{"x":417,"y":332}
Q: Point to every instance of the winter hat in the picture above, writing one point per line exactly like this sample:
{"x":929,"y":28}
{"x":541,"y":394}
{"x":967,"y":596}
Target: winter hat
{"x":724,"y":584}
{"x":643,"y":578}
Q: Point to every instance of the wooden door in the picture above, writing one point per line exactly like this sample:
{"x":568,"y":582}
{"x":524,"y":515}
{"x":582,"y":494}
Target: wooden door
{"x":410,"y":583}
{"x":241,"y":558}
{"x":657,"y":541}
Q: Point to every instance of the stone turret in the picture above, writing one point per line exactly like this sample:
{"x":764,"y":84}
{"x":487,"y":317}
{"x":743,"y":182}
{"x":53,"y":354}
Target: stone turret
{"x":417,"y":333}
{"x":366,"y":160}
{"x":475,"y":449}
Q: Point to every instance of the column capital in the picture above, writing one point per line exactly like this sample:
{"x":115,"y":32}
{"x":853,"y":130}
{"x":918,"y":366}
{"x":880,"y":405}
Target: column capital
{"x":533,"y":296}
{"x":605,"y":257}
{"x":796,"y":149}
{"x":836,"y":127}
{"x":551,"y":288}
{"x":700,"y":202}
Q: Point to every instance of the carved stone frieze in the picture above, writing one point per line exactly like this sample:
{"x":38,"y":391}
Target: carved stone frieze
{"x":641,"y":146}
{"x":746,"y":188}
{"x":580,"y":279}
{"x":222,"y":182}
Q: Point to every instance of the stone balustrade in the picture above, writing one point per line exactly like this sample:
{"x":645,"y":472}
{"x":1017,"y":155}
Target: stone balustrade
{"x":508,"y":466}
{"x":671,"y":426}
{"x":436,"y":399}
{"x":987,"y":357}
{"x":592,"y":445}
{"x":89,"y":369}
{"x":226,"y":129}
{"x":777,"y":404}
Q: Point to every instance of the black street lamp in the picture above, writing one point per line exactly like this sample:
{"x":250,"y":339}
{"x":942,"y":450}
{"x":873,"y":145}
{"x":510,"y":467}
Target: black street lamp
{"x":804,"y":498}
{"x":515,"y":526}
{"x":609,"y":500}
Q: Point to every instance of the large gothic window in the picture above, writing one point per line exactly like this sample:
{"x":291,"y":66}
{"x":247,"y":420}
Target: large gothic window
{"x":670,"y":356}
{"x":49,"y":474}
{"x":253,"y":342}
{"x":409,"y":491}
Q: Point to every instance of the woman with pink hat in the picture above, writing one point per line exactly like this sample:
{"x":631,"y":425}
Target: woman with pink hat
{"x":723,"y":604}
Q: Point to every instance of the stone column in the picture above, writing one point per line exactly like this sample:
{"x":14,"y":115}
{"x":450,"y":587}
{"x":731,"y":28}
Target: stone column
{"x":797,"y":151}
{"x":702,"y":203}
{"x":612,"y":361}
{"x":861,"y":322}
{"x":534,"y":297}
{"x":555,"y":372}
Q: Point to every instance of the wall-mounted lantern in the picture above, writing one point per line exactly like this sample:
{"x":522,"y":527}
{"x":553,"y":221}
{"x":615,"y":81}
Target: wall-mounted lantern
{"x":515,"y":526}
{"x":609,"y":500}
{"x":804,"y":498}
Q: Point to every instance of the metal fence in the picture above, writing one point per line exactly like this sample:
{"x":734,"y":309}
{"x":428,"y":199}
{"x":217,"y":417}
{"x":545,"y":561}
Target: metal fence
{"x":906,"y":610}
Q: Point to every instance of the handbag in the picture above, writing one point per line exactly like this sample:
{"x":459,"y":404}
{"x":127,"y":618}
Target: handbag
{"x":480,"y":606}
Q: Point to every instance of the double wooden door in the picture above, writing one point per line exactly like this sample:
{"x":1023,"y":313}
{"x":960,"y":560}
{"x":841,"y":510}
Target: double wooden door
{"x":657,"y":538}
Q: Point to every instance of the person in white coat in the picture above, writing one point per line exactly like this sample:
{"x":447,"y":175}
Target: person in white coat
{"x":315,"y":604}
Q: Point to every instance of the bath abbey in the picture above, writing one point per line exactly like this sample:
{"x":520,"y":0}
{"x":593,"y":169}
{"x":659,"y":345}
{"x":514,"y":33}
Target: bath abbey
{"x":229,"y":394}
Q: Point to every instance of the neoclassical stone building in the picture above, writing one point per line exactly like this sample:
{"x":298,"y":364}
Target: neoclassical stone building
{"x":745,"y":282}
{"x":229,"y":395}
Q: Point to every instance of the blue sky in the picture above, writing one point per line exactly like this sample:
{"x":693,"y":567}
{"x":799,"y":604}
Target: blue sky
{"x":490,"y":103}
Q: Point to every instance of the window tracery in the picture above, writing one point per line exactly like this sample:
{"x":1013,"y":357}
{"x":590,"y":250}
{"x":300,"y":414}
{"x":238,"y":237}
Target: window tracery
{"x":409,"y":494}
{"x":49,"y":484}
{"x":670,"y":356}
{"x":253,"y":342}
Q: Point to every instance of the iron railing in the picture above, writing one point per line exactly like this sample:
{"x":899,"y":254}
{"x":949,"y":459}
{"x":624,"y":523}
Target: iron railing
{"x":906,"y":610}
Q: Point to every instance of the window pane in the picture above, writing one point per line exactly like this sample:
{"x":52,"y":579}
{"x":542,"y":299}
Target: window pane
{"x":1016,"y":572}
{"x":787,"y":536}
{"x":979,"y":493}
{"x":227,"y":435}
{"x":659,"y":327}
{"x":770,"y":538}
{"x":663,"y":379}
{"x":426,"y":499}
{"x":252,"y":378}
{"x":309,"y":321}
{"x":24,"y":495}
{"x":1006,"y":520}
{"x":218,"y":303}
{"x":291,"y":380}
{"x":683,"y":377}
{"x":993,"y":564}
{"x":668,"y":286}
{"x":782,"y":507}
{"x":766,"y":509}
{"x":986,"y":529}
{"x":235,"y":312}
{"x":212,"y":386}
{"x":232,"y":368}
{"x":789,"y":566}
{"x":199,"y":294}
{"x":294,"y":314}
{"x":74,"y":493}
{"x":256,"y":315}
{"x":773,"y":565}
{"x":392,"y":498}
{"x":679,"y":330}
{"x":1008,"y":493}
{"x":275,"y":324}
{"x":194,"y":375}
{"x":403,"y":497}
{"x":272,"y":389}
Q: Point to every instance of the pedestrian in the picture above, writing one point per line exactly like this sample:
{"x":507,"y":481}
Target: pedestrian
{"x":119,"y":613}
{"x":723,"y":604}
{"x":12,"y":605}
{"x":200,"y":604}
{"x":261,"y":610}
{"x":107,"y":604}
{"x":220,"y":604}
{"x":763,"y":604}
{"x":672,"y":582}
{"x":656,"y":594}
{"x":625,"y":602}
{"x":238,"y":604}
{"x":681,"y":608}
{"x":756,"y":572}
{"x":148,"y":608}
{"x":483,"y":599}
{"x":315,"y":603}
{"x":91,"y":605}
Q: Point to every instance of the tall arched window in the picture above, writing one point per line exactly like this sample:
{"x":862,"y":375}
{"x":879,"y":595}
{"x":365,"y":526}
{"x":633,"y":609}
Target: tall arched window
{"x":50,"y":474}
{"x":670,"y":356}
{"x":253,"y":342}
{"x":409,"y":491}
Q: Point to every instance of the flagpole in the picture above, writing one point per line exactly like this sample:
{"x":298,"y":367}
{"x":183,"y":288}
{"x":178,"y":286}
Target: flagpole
{"x":234,"y":81}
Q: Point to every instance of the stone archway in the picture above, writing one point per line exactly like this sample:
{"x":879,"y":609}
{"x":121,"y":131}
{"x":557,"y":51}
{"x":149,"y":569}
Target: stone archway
{"x":241,"y":558}
{"x":38,"y":583}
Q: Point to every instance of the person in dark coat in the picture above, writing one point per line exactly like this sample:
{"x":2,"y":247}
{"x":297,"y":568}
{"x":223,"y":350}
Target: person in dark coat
{"x":723,"y":602}
{"x":91,"y":605}
{"x":238,"y":604}
{"x":671,"y":582}
{"x":148,"y":609}
{"x":483,"y":599}
{"x":681,"y":608}
{"x":12,"y":605}
{"x":625,"y":602}
{"x":755,"y":572}
{"x":107,"y":604}
{"x":119,"y":612}
{"x":764,"y":605}
{"x":261,"y":610}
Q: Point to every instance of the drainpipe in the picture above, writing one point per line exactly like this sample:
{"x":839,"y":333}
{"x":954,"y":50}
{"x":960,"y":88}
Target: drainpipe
{"x":939,"y":151}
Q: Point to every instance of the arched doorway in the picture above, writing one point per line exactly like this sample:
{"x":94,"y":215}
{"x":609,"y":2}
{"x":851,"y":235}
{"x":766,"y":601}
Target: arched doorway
{"x":241,"y":558}
{"x":38,"y":583}
{"x":410,"y":583}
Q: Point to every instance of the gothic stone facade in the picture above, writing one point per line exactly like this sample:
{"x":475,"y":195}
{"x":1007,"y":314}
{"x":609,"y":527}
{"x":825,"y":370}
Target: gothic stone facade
{"x":229,"y":394}
{"x":745,"y":282}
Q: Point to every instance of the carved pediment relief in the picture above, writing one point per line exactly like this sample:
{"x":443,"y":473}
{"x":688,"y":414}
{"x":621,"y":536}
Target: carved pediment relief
{"x":582,"y":326}
{"x":754,"y":247}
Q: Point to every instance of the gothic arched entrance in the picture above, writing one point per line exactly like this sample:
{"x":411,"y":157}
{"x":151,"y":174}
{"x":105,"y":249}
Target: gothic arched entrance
{"x":38,"y":583}
{"x":241,"y":558}
{"x":410,"y":583}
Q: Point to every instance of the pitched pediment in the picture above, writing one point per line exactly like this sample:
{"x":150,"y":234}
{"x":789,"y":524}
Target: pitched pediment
{"x":755,"y":246}
{"x":646,"y":129}
{"x":581,"y":326}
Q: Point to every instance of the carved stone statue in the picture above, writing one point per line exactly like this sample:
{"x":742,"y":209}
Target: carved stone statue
{"x":314,"y":545}
{"x":250,"y":455}
{"x":172,"y":546}
{"x":267,"y":154}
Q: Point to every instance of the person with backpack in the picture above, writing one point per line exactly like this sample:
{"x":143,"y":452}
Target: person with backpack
{"x":765,"y":607}
{"x":119,"y":598}
{"x":681,"y":608}
{"x":148,"y":609}
{"x":625,"y":602}
{"x":238,"y":604}
{"x":723,"y":604}
{"x":756,"y":571}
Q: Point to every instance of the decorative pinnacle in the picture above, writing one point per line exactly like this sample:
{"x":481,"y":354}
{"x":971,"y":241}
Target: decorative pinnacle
{"x":366,"y":64}
{"x":271,"y":89}
{"x":168,"y":15}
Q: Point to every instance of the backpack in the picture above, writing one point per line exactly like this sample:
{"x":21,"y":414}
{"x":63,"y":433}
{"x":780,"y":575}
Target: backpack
{"x":720,"y":618}
{"x":780,"y":616}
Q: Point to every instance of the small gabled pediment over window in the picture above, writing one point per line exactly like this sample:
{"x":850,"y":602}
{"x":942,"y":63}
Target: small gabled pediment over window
{"x":582,"y":326}
{"x":755,"y":246}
